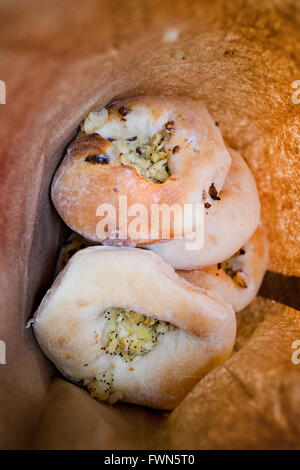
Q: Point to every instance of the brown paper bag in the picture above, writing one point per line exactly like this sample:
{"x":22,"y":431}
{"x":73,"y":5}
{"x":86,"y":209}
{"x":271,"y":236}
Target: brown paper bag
{"x":61,"y":59}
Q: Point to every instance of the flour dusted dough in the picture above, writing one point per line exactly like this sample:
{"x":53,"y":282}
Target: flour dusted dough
{"x":69,"y":325}
{"x":228,"y":223}
{"x":153,"y":150}
{"x":245,"y":272}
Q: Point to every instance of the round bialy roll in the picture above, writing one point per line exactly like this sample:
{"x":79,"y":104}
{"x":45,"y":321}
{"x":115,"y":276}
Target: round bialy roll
{"x":121,"y":322}
{"x":237,"y":279}
{"x":229,"y":222}
{"x":151,"y":150}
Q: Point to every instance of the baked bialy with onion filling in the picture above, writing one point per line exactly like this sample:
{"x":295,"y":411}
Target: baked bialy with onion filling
{"x":238,"y":278}
{"x":231,"y":217}
{"x":153,"y":150}
{"x":123,"y":324}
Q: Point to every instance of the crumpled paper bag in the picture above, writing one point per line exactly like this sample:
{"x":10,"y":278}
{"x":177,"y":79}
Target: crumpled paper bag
{"x":61,"y":59}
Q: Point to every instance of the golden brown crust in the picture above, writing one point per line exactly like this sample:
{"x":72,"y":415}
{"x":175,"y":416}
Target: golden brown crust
{"x":80,"y":187}
{"x":87,"y":145}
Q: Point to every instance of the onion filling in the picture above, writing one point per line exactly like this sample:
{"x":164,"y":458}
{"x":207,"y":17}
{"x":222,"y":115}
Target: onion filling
{"x":150,"y":159}
{"x":129,"y":334}
{"x":126,"y":334}
{"x":231,"y":267}
{"x":148,"y":155}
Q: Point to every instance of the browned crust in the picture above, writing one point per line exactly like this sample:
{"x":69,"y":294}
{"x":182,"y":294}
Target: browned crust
{"x":78,"y":188}
{"x":86,"y":145}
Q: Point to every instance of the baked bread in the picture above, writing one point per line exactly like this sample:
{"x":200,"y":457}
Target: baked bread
{"x":153,"y":150}
{"x":237,"y":279}
{"x":122,"y":323}
{"x":230,"y":220}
